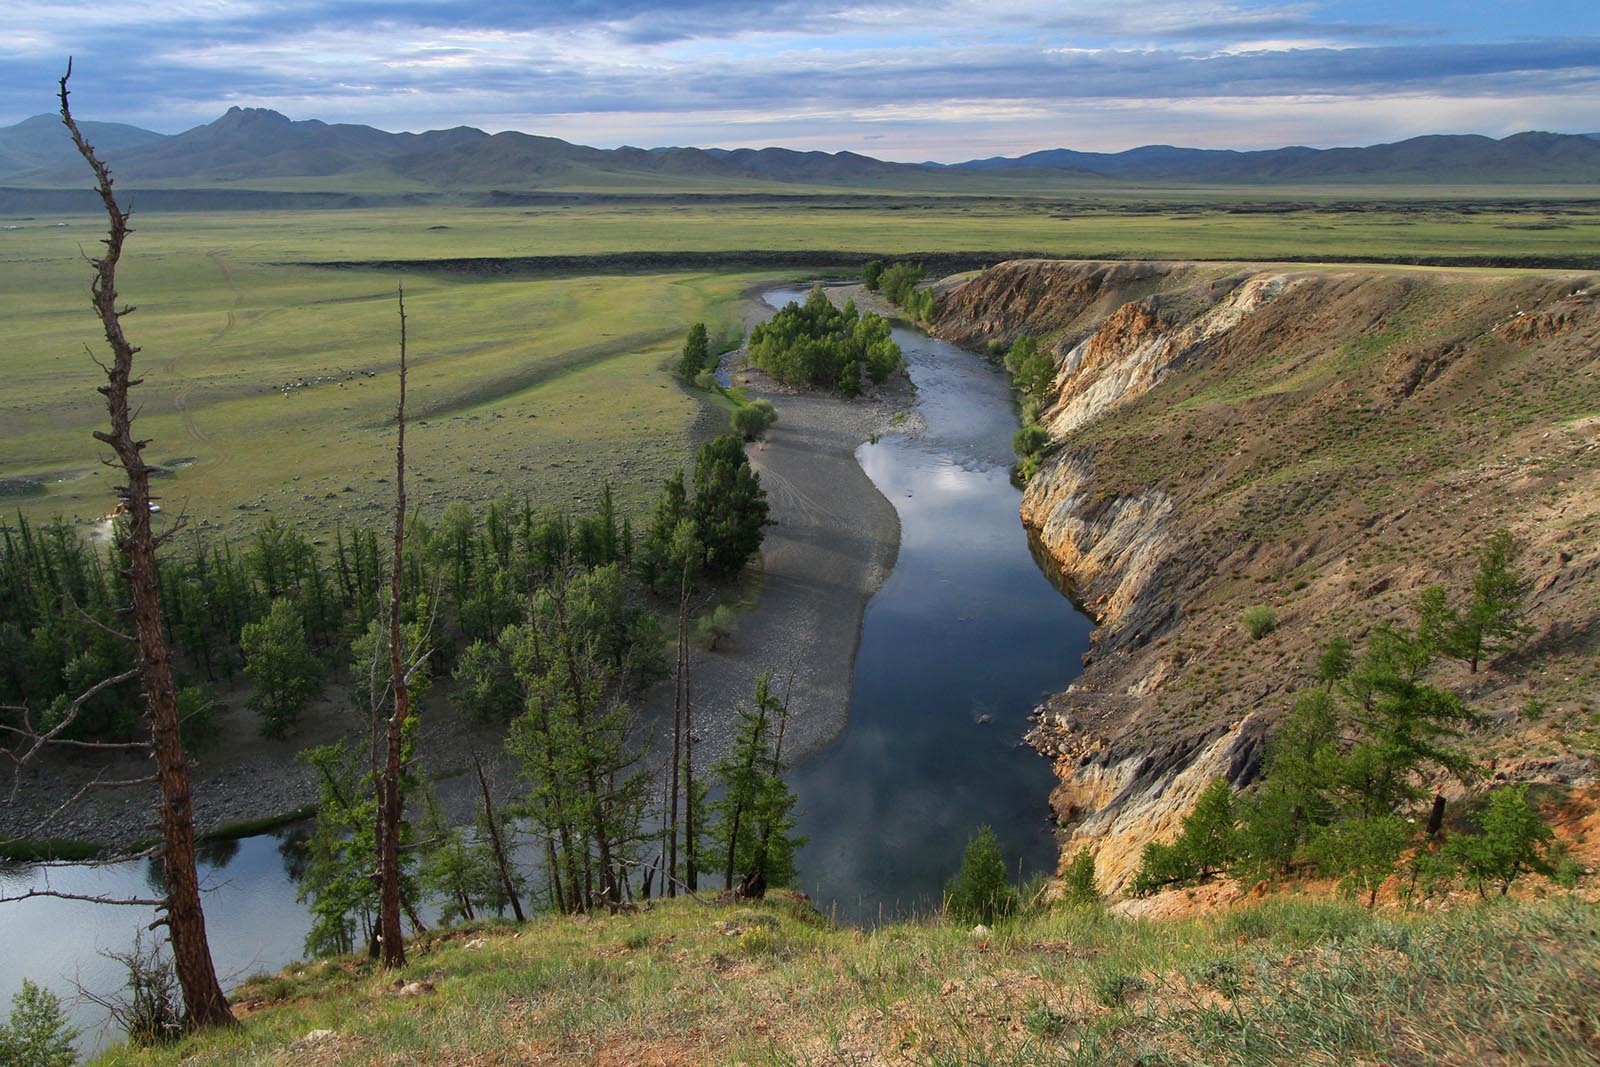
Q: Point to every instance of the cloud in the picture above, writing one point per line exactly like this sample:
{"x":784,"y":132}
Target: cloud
{"x":739,"y":71}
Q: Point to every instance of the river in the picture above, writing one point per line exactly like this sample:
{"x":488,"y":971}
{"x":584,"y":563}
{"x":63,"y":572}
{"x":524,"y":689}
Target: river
{"x":963,"y":640}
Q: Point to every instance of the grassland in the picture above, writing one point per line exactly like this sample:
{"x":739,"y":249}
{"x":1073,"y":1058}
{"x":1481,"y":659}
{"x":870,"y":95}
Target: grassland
{"x":266,"y":379}
{"x":1284,"y":981}
{"x":269,"y":387}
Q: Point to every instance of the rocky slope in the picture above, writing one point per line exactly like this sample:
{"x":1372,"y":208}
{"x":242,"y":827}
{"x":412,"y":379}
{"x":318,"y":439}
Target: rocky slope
{"x":1325,"y":442}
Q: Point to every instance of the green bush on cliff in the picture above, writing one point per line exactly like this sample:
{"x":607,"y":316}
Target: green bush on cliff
{"x":1078,"y":881}
{"x":1032,"y":370}
{"x":1207,"y":846}
{"x":1258,"y":621}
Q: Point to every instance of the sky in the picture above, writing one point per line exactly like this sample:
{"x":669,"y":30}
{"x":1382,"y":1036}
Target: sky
{"x":939,"y":80}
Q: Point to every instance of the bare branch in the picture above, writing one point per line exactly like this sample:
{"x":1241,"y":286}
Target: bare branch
{"x":84,"y":616}
{"x":101,"y":861}
{"x":54,"y":733}
{"x":132,"y":902}
{"x":68,"y":743}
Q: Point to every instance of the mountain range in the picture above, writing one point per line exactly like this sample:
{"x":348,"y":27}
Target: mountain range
{"x":259,"y":148}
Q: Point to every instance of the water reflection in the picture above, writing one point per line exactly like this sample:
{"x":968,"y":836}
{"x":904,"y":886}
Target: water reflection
{"x":292,"y":851}
{"x":217,"y":853}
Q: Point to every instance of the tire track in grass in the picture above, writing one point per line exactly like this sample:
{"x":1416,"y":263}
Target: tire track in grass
{"x":183,"y":394}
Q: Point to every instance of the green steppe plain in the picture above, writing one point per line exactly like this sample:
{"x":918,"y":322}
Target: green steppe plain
{"x":269,"y":385}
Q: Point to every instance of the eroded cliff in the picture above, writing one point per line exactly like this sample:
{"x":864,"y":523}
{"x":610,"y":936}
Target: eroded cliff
{"x":1324,"y":442}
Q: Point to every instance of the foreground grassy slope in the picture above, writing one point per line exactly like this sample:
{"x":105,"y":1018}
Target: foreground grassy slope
{"x":1282,"y":981}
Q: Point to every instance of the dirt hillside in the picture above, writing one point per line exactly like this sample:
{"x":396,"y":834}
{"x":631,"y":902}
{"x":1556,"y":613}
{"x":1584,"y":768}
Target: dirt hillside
{"x":1325,"y":442}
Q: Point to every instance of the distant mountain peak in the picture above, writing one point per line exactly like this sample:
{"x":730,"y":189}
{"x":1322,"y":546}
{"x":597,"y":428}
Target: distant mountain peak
{"x":252,"y":116}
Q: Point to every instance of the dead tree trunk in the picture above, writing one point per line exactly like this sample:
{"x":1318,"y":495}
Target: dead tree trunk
{"x":185,"y":921}
{"x":502,"y":861}
{"x":671,"y":879}
{"x":690,"y":826}
{"x":389,"y":803}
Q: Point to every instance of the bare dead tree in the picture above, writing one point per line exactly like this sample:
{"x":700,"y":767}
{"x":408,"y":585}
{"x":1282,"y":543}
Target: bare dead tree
{"x":691,"y":827}
{"x":670,"y":877}
{"x":501,"y":859}
{"x":402,"y":668}
{"x":181,"y":913}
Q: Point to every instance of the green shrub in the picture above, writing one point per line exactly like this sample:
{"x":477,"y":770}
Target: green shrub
{"x":1113,"y":988}
{"x":754,"y":419}
{"x":899,"y":282}
{"x":1078,"y":883}
{"x":715,"y":626}
{"x":36,"y":1034}
{"x":1514,"y":839}
{"x":1043,"y":1021}
{"x":1258,"y":621}
{"x":981,"y":892}
{"x":1029,"y":440}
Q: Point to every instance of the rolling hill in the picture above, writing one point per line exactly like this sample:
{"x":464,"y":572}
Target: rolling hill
{"x":1522,"y":157}
{"x":257,"y":148}
{"x":41,"y":143}
{"x":254,"y":145}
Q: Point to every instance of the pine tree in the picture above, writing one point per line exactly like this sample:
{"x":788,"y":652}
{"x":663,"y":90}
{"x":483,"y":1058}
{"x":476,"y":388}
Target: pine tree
{"x":981,"y":891}
{"x":37,"y":1033}
{"x":669,"y":545}
{"x":1364,"y":851}
{"x":280,"y":665}
{"x":743,"y":775}
{"x":336,"y":884}
{"x":1492,"y":621}
{"x":1405,"y":726}
{"x":729,"y":507}
{"x":696,"y":353}
{"x":1295,"y":796}
{"x":459,"y":873}
{"x":572,"y":742}
{"x":1513,"y":840}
